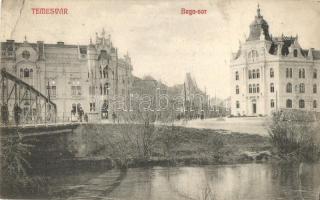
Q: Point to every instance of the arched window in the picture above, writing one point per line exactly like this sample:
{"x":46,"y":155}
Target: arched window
{"x":271,"y":73}
{"x":26,"y":73}
{"x":289,"y":103}
{"x":287,"y":72}
{"x":237,"y":89}
{"x":253,"y":74}
{"x":301,"y":88}
{"x":250,"y":88}
{"x":237,"y":75}
{"x":254,"y":88}
{"x":295,"y":53}
{"x":301,"y":103}
{"x":100,"y":89}
{"x":21,"y":73}
{"x":258,"y":73}
{"x":314,"y":88}
{"x":272,"y":103}
{"x":258,"y":88}
{"x":250,"y":74}
{"x":314,"y":103}
{"x":315,"y":74}
{"x":271,"y":87}
{"x":289,"y":88}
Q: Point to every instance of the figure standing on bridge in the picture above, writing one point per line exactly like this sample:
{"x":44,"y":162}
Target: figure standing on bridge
{"x":4,"y":114}
{"x":16,"y":111}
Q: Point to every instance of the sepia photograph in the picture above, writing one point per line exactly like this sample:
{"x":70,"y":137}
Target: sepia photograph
{"x":160,"y":99}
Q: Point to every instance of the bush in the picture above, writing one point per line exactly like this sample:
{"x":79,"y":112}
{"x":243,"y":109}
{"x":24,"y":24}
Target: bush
{"x":295,"y":135}
{"x":15,"y":180}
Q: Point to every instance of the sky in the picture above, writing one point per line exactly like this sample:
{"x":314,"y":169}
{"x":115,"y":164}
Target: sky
{"x":161,"y":41}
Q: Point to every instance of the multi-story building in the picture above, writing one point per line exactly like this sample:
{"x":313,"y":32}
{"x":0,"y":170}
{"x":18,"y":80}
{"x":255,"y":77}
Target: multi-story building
{"x":78,"y":78}
{"x":271,"y":73}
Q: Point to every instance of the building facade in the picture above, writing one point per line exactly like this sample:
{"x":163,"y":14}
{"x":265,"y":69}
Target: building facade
{"x":78,"y":78}
{"x":272,"y":73}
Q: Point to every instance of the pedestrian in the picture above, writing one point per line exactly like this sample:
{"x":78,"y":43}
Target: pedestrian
{"x":114,"y":116}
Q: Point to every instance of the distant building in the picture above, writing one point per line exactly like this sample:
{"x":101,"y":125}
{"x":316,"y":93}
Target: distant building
{"x":76,"y":77}
{"x":271,"y":73}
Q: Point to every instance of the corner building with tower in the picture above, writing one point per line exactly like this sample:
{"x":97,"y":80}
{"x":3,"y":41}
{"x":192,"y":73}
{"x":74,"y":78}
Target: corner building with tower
{"x":273,"y":73}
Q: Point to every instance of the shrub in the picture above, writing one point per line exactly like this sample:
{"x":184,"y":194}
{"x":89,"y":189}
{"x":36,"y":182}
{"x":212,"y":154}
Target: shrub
{"x":295,"y":135}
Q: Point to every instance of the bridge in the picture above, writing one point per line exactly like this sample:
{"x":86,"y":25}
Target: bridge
{"x":26,"y":110}
{"x":21,"y":103}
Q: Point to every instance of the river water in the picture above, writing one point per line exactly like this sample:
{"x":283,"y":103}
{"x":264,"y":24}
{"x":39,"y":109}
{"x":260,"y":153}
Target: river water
{"x":223,"y":182}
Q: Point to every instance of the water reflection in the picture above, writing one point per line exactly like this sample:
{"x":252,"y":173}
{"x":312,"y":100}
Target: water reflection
{"x":229,"y":182}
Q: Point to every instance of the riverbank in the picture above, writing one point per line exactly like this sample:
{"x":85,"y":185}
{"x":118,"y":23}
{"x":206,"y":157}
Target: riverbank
{"x":105,"y":147}
{"x":139,"y":146}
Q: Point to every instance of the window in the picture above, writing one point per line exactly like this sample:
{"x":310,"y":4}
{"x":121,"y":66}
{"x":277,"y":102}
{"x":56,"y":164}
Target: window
{"x":21,"y":73}
{"x":271,"y":73}
{"x":314,"y":103}
{"x":315,"y":74}
{"x":250,"y":74}
{"x":272,"y":103}
{"x":254,"y":88}
{"x":92,"y":107}
{"x":271,"y":87}
{"x":314,"y":88}
{"x":258,"y":88}
{"x":295,"y":53}
{"x":302,"y":73}
{"x":253,"y":74}
{"x":289,"y":72}
{"x":26,"y":54}
{"x":289,"y":103}
{"x":237,"y":89}
{"x":289,"y":88}
{"x":301,"y":103}
{"x":105,"y":72}
{"x":237,"y":104}
{"x":106,"y":89}
{"x":237,"y":75}
{"x":258,"y":73}
{"x":76,"y":90}
{"x":73,"y":90}
{"x":253,"y":55}
{"x":26,"y":73}
{"x":53,"y":91}
{"x":31,"y":73}
{"x":100,"y":89}
{"x":74,"y":108}
{"x":250,"y":88}
{"x":301,"y":88}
